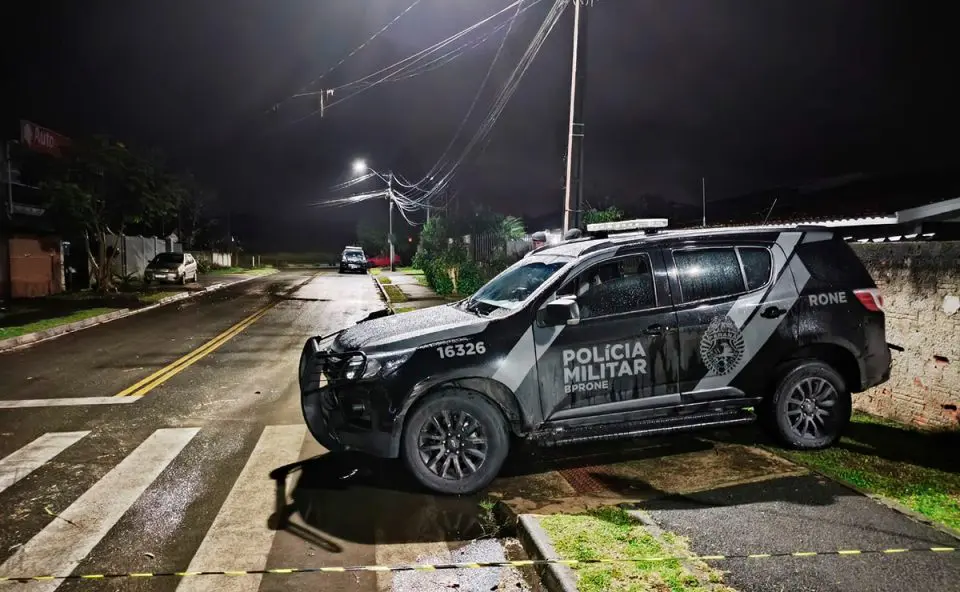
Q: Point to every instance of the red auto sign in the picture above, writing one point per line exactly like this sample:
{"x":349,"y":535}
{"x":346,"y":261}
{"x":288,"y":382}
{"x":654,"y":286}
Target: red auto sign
{"x":40,"y":139}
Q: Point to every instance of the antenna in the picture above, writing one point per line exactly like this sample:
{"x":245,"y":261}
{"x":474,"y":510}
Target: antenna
{"x":703,"y":196}
{"x":767,"y":217}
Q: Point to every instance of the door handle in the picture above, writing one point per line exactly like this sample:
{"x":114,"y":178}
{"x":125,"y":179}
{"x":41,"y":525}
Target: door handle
{"x":772,"y":312}
{"x":654,"y":330}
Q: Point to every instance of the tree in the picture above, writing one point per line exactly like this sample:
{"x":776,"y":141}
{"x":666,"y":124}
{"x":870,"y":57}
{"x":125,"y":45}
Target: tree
{"x":512,"y":228}
{"x":372,"y":236}
{"x":190,"y":222}
{"x":101,"y":188}
{"x":595,"y":216}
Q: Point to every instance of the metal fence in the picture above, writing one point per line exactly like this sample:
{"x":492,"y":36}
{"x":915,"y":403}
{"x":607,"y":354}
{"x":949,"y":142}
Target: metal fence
{"x":135,"y":252}
{"x":213,"y":258}
{"x":485,"y":248}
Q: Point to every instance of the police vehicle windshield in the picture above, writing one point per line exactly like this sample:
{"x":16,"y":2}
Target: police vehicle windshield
{"x":511,"y":288}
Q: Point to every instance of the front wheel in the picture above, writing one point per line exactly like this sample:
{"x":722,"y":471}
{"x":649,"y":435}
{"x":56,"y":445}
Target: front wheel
{"x":455,"y":442}
{"x":810,"y":408}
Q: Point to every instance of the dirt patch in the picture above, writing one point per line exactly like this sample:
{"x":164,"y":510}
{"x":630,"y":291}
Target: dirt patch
{"x":723,"y":466}
{"x":584,"y":486}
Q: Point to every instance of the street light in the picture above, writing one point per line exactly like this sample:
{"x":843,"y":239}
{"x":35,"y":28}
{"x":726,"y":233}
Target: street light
{"x":360,"y":167}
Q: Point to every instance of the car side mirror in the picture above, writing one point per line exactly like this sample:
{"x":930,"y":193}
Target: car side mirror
{"x":562,"y":311}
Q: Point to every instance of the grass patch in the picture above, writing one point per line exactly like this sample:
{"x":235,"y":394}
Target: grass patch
{"x":422,"y":280}
{"x":375,"y":271}
{"x":154,"y":297}
{"x":384,"y":279}
{"x":410,"y":270}
{"x":402,"y":309}
{"x":18,"y":330}
{"x":259,"y":271}
{"x":613,"y":533}
{"x":394,"y":293}
{"x":240,"y":271}
{"x":895,"y":461}
{"x":224,"y":270}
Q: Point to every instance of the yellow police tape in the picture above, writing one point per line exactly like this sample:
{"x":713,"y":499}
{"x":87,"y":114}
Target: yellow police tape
{"x":472,"y":565}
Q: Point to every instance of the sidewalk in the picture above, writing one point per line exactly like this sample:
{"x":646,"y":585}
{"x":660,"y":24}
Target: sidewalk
{"x":731,"y":513}
{"x":415,"y":294}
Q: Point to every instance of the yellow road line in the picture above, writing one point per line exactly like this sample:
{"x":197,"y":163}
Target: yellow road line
{"x":149,"y":383}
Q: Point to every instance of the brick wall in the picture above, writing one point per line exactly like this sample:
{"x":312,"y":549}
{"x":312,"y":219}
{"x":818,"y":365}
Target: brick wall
{"x":921,"y":289}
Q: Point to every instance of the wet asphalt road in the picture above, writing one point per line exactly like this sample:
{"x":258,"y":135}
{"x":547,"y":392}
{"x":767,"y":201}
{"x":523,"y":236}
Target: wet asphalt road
{"x":178,"y":479}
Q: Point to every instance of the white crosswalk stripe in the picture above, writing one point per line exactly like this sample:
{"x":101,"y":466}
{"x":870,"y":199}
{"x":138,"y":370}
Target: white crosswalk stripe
{"x":92,"y":534}
{"x":235,"y":541}
{"x":34,"y":455}
{"x":71,"y":536}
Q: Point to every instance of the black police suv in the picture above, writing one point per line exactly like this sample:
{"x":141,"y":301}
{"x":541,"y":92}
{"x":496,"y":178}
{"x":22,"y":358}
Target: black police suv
{"x":607,"y":337}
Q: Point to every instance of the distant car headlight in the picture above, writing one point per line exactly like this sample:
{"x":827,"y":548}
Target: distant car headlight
{"x":377,"y":366}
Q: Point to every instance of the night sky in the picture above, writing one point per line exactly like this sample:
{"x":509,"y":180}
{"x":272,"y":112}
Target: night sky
{"x":747,"y":93}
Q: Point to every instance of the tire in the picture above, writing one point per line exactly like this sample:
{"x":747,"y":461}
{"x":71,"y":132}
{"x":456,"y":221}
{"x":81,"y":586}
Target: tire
{"x":441,"y":475}
{"x":182,"y":280}
{"x":812,"y":395}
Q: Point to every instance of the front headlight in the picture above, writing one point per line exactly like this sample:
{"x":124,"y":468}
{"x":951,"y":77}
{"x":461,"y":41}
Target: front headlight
{"x":381,"y":365}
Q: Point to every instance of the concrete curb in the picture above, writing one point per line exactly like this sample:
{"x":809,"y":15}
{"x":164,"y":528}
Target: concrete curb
{"x":25,"y":341}
{"x":536,"y":542}
{"x":383,"y":293}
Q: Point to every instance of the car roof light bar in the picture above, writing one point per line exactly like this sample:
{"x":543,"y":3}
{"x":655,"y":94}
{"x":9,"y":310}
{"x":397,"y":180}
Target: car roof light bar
{"x":627,"y":225}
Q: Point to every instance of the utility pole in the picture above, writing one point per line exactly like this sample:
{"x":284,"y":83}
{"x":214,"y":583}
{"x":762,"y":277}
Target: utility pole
{"x":703,"y":197}
{"x":8,"y":229}
{"x":390,"y":199}
{"x":573,"y":198}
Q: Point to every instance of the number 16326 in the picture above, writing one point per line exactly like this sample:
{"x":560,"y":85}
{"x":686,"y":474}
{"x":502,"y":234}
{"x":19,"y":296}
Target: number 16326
{"x":462,"y":349}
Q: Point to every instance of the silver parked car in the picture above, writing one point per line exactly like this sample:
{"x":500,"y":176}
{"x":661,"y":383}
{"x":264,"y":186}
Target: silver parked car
{"x":171,"y":267}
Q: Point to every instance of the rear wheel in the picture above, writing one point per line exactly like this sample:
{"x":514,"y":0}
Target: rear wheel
{"x":455,"y":442}
{"x":810,"y":408}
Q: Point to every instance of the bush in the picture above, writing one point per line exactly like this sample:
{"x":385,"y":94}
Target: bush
{"x":438,"y":277}
{"x":421,"y":260}
{"x":469,"y":278}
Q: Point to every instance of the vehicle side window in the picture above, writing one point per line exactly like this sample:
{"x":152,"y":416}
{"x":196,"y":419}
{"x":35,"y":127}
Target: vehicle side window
{"x":614,"y":287}
{"x":757,"y":265}
{"x":708,"y":273}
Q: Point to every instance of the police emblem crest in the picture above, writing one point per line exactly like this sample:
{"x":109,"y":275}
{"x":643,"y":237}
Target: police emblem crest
{"x":722,"y":346}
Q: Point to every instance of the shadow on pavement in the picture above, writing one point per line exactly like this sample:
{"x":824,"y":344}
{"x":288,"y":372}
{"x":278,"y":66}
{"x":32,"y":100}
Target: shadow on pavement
{"x":374,"y":501}
{"x":880,"y":439}
{"x":371,"y":501}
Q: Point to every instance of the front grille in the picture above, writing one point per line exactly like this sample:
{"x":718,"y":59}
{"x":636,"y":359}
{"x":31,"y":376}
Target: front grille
{"x":332,"y":366}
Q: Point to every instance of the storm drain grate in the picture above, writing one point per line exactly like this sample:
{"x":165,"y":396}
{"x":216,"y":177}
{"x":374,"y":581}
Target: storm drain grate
{"x":582,"y":479}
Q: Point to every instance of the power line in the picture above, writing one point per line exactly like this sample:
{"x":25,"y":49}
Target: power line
{"x":404,"y":64}
{"x":506,"y":93}
{"x":476,"y":96}
{"x":352,"y":53}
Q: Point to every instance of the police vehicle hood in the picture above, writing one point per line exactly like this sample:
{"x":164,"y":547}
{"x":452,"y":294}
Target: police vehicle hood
{"x":410,"y":329}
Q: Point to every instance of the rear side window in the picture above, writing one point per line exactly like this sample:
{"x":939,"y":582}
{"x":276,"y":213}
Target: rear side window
{"x":757,"y":265}
{"x":834,"y":263}
{"x":708,"y":273}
